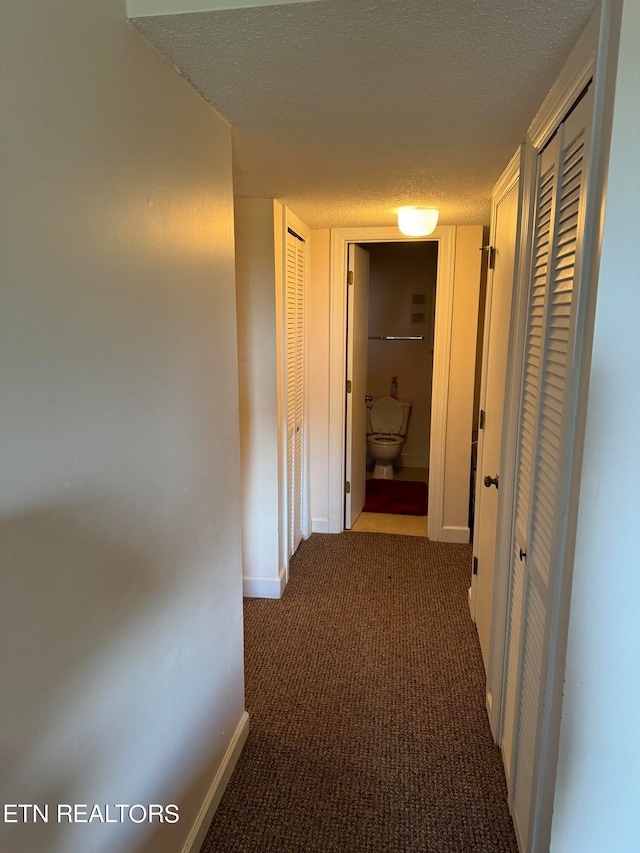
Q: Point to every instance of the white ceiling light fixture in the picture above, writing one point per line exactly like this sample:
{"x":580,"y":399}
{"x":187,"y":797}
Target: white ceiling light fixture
{"x":417,"y":221}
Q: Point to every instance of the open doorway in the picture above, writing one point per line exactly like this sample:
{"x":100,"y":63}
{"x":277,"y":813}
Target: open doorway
{"x":398,"y":373}
{"x":453,"y":373}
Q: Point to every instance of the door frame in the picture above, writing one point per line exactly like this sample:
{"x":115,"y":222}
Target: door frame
{"x":290,"y":220}
{"x":590,"y":58}
{"x":578,"y":70}
{"x":356,"y":373}
{"x":445,"y":236}
{"x":507,"y":181}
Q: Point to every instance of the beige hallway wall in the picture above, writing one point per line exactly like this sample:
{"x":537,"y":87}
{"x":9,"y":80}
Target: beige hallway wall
{"x":121,"y":615}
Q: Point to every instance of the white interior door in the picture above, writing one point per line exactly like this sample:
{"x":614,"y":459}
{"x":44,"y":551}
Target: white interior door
{"x":504,"y":222}
{"x":356,"y":382}
{"x":540,"y":510}
{"x":295,"y":271}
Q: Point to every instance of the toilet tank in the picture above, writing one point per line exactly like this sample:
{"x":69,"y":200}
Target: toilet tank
{"x":406,"y":411}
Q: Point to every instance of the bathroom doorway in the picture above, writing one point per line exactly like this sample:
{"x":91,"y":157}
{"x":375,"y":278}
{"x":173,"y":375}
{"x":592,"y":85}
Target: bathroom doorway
{"x":339,"y":437}
{"x":399,"y":364}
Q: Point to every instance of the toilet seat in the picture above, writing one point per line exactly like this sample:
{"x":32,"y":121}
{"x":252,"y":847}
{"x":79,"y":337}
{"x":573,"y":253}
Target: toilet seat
{"x":386,"y":416}
{"x":384,"y":438}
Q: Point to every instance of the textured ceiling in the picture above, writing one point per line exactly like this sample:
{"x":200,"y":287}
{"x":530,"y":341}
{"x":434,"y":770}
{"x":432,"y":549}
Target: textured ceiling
{"x":347,"y":109}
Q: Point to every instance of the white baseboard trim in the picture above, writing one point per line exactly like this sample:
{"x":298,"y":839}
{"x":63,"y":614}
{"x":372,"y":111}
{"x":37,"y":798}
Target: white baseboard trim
{"x":265,"y":587}
{"x":489,"y":703}
{"x":215,"y":792}
{"x":461,"y":535}
{"x":319,"y":525}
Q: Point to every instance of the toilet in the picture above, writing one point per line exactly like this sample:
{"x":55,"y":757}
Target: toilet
{"x":387,"y":421}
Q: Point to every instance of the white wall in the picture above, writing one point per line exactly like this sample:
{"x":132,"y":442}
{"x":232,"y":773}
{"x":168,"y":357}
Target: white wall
{"x":121,"y":622}
{"x":318,"y":377}
{"x":598,"y":780}
{"x":464,"y":330}
{"x":397,"y":271}
{"x":258,"y":226}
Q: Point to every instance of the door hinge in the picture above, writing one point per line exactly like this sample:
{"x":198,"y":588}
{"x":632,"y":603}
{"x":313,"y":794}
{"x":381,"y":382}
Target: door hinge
{"x":475,"y":565}
{"x":347,"y":488}
{"x":491,"y":254}
{"x":350,"y":277}
{"x":481,"y":421}
{"x":348,"y":386}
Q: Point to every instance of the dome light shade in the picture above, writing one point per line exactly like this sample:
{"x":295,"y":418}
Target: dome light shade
{"x":417,"y":221}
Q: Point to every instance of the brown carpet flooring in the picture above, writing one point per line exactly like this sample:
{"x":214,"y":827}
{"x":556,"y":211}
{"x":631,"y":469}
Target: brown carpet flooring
{"x":365,"y":689}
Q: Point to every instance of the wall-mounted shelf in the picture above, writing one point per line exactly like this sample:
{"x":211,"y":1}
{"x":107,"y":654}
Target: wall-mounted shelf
{"x":396,"y":337}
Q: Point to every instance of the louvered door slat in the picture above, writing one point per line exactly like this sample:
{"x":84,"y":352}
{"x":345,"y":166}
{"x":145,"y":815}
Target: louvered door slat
{"x":295,"y":274}
{"x":511,"y":725}
{"x":512,"y":666}
{"x":533,"y":644}
{"x":290,"y":379}
{"x":299,"y":389}
{"x":559,"y":212}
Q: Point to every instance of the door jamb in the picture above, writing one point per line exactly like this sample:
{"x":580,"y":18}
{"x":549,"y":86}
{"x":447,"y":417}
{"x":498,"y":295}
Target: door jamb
{"x":503,"y":187}
{"x":588,"y":59}
{"x":340,"y":237}
{"x":290,"y":220}
{"x":509,"y":178}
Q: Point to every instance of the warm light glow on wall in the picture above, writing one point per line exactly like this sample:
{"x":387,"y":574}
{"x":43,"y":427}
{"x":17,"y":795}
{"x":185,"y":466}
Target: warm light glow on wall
{"x":417,"y":221}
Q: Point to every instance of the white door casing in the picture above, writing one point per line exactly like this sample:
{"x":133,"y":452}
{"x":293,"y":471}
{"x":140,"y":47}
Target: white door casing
{"x":504,"y":223}
{"x":542,"y":470}
{"x":588,"y":58}
{"x":340,"y":238}
{"x":295,"y":274}
{"x":356,"y":382}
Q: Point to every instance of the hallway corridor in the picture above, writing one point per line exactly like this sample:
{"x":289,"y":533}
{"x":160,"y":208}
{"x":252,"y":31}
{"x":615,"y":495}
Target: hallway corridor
{"x":365,"y":689}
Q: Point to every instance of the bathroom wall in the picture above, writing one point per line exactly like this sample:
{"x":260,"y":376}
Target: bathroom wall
{"x":398,"y":273}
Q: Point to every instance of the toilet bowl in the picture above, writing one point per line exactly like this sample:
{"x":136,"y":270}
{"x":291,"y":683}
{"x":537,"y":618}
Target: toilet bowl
{"x":387,"y":423}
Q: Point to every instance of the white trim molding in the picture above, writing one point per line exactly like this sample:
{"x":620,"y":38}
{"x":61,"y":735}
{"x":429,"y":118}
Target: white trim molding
{"x":150,"y":8}
{"x":319,"y":525}
{"x":450,"y":533}
{"x":575,"y":75}
{"x":265,"y":587}
{"x":290,"y":220}
{"x":510,"y":422}
{"x":340,"y":238}
{"x":589,"y":59}
{"x":503,"y":187}
{"x":220,"y":781}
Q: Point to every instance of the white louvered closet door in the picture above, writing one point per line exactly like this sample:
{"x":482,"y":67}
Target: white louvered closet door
{"x":560,"y":197}
{"x":295,"y":271}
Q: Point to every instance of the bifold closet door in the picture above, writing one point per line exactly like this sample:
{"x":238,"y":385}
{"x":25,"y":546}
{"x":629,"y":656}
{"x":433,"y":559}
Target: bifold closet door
{"x":558,"y":222}
{"x":295,"y":272}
